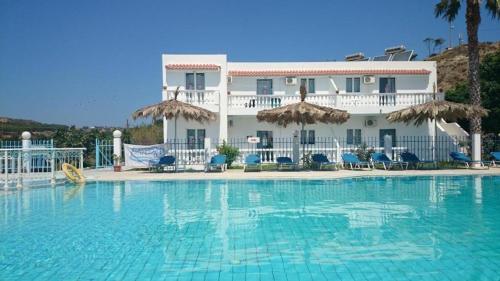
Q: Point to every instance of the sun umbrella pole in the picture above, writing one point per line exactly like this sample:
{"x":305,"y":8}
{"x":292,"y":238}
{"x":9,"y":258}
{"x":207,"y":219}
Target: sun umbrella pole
{"x":303,"y":143}
{"x":434,"y":156}
{"x":175,"y":142}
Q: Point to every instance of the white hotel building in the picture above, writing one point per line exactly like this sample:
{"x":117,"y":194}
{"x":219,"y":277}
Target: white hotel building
{"x":236,"y":91}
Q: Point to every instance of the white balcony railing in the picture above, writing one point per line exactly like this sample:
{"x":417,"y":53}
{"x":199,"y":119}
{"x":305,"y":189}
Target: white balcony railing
{"x":358,"y":103}
{"x":354,"y":103}
{"x":201,"y":98}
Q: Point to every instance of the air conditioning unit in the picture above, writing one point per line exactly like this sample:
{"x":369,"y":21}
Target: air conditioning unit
{"x":289,"y":81}
{"x":370,"y":122}
{"x":230,"y":79}
{"x":368,"y":79}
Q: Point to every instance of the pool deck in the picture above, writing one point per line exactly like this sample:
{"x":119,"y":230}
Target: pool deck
{"x":238,"y":174}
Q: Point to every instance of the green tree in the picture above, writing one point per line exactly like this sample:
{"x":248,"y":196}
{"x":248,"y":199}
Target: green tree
{"x":490,"y":88}
{"x":448,"y":9}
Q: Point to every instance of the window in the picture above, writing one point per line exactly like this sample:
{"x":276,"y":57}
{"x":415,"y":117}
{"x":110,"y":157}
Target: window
{"x":307,"y":137}
{"x":354,"y":136}
{"x":264,"y":86}
{"x":196,"y":138}
{"x":390,"y":132}
{"x":309,"y":84}
{"x":353,"y":85}
{"x":387,"y":85}
{"x":198,"y":84}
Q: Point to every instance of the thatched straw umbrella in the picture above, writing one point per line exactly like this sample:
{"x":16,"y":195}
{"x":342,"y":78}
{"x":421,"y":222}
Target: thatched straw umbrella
{"x":435,"y":110}
{"x":173,"y":109}
{"x":302,"y":113}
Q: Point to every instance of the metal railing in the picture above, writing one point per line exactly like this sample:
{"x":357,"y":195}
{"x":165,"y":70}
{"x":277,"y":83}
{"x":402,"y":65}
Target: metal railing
{"x":103,"y":153}
{"x":34,"y":166}
{"x":34,"y":143}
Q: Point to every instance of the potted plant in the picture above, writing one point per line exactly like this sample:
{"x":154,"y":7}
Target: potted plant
{"x":116,"y":163}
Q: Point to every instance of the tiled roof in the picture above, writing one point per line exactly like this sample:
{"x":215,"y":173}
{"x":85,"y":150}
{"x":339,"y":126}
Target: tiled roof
{"x":192,"y":67}
{"x":316,"y":72}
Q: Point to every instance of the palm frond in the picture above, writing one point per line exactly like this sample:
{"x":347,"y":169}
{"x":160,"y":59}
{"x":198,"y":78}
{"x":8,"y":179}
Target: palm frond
{"x":493,"y":7}
{"x":173,"y":108}
{"x":302,"y":113}
{"x":432,"y":110}
{"x":447,"y":9}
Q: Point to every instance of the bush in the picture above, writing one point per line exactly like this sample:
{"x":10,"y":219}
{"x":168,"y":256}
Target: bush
{"x":231,"y":152}
{"x":364,"y":153}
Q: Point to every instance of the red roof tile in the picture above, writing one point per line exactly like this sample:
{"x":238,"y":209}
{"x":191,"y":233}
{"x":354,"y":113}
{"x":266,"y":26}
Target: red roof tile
{"x":192,"y":67}
{"x":329,"y":72}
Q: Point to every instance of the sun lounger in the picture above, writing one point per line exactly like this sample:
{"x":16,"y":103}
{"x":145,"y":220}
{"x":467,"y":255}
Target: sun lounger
{"x":413,"y":160}
{"x":353,"y":161}
{"x":217,"y":163}
{"x":320,"y":161}
{"x":461,"y":158}
{"x":495,"y":158}
{"x":252,"y":163}
{"x":382,"y":159}
{"x":167,"y":161}
{"x":285,"y":163}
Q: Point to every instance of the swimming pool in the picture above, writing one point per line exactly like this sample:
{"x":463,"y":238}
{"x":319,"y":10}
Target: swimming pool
{"x":392,"y":228}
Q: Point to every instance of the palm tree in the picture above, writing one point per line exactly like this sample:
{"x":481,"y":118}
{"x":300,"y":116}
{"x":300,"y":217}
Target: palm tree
{"x":448,"y":10}
{"x":428,"y":42}
{"x":438,"y":42}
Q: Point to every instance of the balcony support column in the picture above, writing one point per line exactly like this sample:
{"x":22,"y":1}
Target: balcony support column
{"x":223,"y":103}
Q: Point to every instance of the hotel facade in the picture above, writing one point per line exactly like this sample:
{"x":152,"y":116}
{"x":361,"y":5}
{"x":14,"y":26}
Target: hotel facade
{"x":236,"y":91}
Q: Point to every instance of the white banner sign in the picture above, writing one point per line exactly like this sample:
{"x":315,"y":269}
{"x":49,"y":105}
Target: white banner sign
{"x":253,"y":139}
{"x":140,"y":156}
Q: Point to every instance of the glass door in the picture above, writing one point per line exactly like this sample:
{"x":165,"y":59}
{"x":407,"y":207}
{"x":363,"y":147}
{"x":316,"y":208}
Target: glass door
{"x":265,"y":145}
{"x":390,"y":132}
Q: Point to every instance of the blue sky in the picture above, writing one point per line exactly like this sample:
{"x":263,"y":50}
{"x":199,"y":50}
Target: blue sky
{"x":94,"y":62}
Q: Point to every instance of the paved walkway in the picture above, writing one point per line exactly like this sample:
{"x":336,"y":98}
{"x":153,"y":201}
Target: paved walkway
{"x":107,"y":175}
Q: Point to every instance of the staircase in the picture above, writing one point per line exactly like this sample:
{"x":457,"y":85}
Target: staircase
{"x":451,"y":129}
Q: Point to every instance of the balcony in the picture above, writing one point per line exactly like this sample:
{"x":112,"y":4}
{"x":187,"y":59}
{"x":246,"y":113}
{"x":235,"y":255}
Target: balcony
{"x":203,"y":98}
{"x":353,"y":103}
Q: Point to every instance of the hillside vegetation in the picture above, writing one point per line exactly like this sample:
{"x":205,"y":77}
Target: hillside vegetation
{"x":452,"y":65}
{"x":11,"y":128}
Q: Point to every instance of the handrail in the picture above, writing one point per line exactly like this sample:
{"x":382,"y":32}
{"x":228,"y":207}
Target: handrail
{"x":43,"y":149}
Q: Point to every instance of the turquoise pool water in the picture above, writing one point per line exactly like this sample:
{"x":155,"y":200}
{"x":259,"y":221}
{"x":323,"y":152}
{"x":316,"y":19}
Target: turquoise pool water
{"x":415,"y":228}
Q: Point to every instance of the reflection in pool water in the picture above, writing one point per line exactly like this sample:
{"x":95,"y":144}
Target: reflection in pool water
{"x":351,"y":229}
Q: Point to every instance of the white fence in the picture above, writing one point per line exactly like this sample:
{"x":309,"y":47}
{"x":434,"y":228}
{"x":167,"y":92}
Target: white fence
{"x":32,"y":166}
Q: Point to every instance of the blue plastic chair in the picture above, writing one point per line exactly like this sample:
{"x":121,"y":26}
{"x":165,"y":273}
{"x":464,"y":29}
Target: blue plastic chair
{"x":217,"y":163}
{"x":253,"y":163}
{"x":167,"y":161}
{"x":381,"y":158}
{"x":413,"y":160}
{"x":461,"y":158}
{"x":495,"y":158}
{"x":320,"y":160}
{"x":285,"y":163}
{"x":353,"y":161}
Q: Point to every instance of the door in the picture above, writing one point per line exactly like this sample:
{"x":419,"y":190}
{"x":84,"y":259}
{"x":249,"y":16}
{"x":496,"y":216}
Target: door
{"x":265,"y":145}
{"x":196,"y":138}
{"x":390,"y":132}
{"x":387,"y":85}
{"x":264,"y":86}
{"x":196,"y":82}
